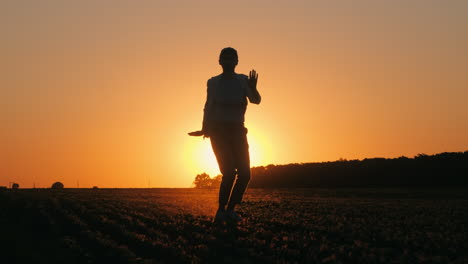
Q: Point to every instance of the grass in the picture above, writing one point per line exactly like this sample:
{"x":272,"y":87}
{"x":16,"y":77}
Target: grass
{"x":279,"y":226}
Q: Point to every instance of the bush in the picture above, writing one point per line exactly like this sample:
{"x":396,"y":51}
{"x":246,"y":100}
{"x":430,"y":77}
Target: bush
{"x":57,"y":185}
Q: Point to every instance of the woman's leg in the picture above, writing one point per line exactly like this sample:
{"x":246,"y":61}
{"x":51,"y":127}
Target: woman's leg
{"x":224,"y":155}
{"x":242,"y":162}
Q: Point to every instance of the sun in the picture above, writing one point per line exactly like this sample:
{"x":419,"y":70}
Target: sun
{"x":199,"y":157}
{"x":205,"y":158}
{"x":202,"y":159}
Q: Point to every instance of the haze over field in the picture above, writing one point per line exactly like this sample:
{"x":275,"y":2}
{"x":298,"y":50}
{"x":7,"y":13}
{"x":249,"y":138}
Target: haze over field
{"x":104,"y":92}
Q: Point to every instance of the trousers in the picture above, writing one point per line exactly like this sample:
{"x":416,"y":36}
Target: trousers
{"x":230,"y":146}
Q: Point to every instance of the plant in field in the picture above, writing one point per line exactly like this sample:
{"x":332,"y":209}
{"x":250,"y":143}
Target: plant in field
{"x":57,"y":185}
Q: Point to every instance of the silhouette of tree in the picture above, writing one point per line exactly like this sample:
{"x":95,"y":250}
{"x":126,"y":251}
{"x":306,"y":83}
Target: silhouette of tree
{"x":57,"y":185}
{"x":202,"y":181}
{"x":216,"y":181}
{"x":15,"y":186}
{"x":448,"y":169}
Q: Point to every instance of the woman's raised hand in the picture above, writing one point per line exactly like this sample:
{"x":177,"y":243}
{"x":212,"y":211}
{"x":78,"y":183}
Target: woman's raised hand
{"x":253,"y":78}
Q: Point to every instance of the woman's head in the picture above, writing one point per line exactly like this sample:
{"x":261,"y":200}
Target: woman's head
{"x":228,"y":59}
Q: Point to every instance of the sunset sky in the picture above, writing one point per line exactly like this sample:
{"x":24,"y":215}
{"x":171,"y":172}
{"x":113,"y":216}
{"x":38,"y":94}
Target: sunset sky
{"x":104,"y":92}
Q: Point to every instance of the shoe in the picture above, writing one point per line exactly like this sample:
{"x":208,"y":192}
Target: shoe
{"x":232,"y":216}
{"x":220,"y":217}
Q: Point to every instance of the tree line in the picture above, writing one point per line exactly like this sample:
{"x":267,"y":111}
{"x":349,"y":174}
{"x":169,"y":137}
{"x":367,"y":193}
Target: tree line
{"x":448,"y":169}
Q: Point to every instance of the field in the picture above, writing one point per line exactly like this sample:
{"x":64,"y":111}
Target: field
{"x":279,"y":226}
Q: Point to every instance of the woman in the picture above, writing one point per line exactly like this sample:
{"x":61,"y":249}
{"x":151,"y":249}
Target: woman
{"x":223,"y":123}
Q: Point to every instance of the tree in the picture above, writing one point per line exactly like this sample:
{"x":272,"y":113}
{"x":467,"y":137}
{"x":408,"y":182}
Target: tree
{"x":57,"y":185}
{"x":216,"y":181}
{"x":202,"y":181}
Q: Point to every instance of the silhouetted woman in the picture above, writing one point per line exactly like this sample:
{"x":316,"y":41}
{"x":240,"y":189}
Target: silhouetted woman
{"x":223,"y":123}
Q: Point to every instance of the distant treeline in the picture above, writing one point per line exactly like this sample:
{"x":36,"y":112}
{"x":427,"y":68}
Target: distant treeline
{"x":448,"y":169}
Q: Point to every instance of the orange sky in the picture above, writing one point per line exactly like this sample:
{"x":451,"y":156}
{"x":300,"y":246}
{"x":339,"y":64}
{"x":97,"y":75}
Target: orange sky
{"x":104,"y":92}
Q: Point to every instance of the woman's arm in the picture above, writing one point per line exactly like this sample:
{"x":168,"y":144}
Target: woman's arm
{"x":207,"y":110}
